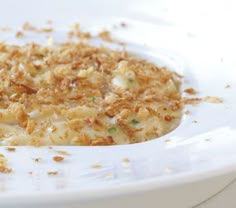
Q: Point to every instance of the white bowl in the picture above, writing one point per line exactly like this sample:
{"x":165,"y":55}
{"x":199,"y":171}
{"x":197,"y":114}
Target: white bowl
{"x":184,"y":168}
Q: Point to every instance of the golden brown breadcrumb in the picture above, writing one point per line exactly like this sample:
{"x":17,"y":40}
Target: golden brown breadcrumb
{"x":58,"y":158}
{"x":105,"y":35}
{"x":38,"y":159}
{"x":96,"y":166}
{"x":3,"y":165}
{"x":211,"y":99}
{"x":11,"y":149}
{"x":19,"y":34}
{"x":29,"y":27}
{"x":52,"y":173}
{"x":190,"y":91}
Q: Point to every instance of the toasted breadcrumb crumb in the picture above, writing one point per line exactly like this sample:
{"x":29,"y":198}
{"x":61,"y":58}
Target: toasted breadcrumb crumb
{"x":19,"y":34}
{"x":190,"y":91}
{"x":187,"y":112}
{"x":77,"y":33}
{"x":52,"y":173}
{"x":125,"y":160}
{"x":168,"y":118}
{"x":58,"y":158}
{"x":105,"y":35}
{"x":191,"y":100}
{"x":211,"y":99}
{"x":96,"y":166}
{"x":38,"y":159}
{"x":30,"y":126}
{"x":46,"y":29}
{"x":5,"y":29}
{"x":3,"y":165}
{"x":28,"y":27}
{"x":11,"y":149}
{"x":61,"y":152}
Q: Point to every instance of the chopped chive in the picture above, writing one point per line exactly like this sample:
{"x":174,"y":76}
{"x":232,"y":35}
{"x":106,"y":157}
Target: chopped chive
{"x":134,"y":121}
{"x":93,"y":99}
{"x":111,"y":130}
{"x":130,"y":80}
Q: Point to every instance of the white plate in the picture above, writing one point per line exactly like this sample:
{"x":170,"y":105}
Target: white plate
{"x":182,"y":169}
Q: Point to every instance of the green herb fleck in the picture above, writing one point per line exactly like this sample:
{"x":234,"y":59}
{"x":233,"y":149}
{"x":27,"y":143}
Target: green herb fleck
{"x":111,"y":130}
{"x":93,"y":99}
{"x":134,"y":121}
{"x":130,"y":80}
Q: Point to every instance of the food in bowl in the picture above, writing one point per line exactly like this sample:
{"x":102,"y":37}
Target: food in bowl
{"x":78,"y":94}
